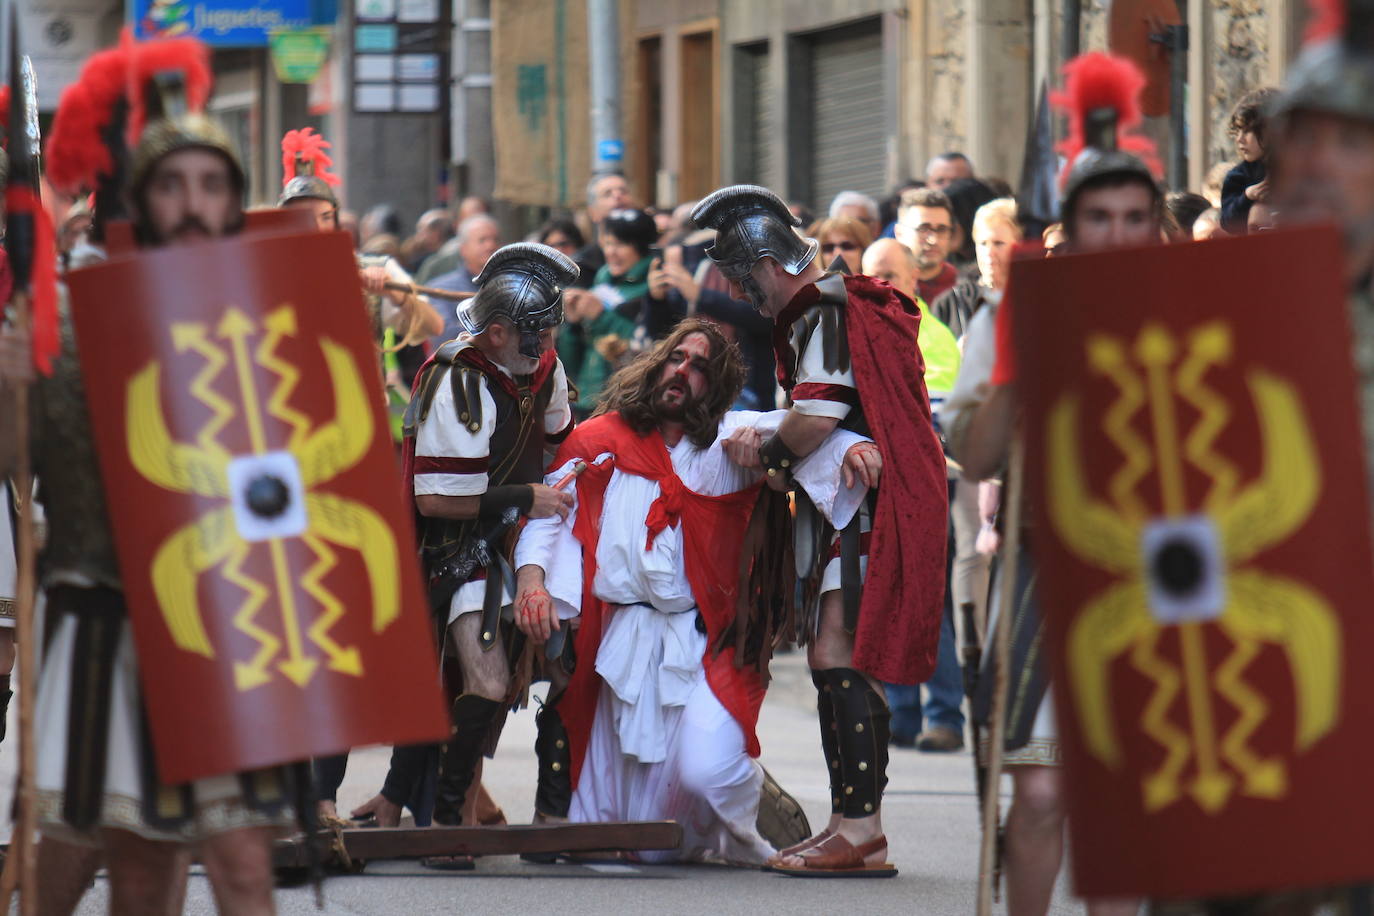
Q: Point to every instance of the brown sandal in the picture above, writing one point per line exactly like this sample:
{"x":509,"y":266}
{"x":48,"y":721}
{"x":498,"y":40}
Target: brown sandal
{"x":836,"y":857}
{"x":795,"y":848}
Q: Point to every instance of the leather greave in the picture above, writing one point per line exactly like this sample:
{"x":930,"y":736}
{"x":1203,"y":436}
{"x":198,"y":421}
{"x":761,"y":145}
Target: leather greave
{"x":830,"y":742}
{"x":472,"y":716}
{"x":862,"y":717}
{"x":553,"y":793}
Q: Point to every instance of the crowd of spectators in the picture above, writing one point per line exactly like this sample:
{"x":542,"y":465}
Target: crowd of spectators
{"x":944,"y":239}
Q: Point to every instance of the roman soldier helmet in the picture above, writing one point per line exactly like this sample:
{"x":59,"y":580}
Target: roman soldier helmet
{"x":305,"y":168}
{"x":169,"y":84}
{"x":524,"y":284}
{"x":751,"y":223}
{"x":1101,"y":98}
{"x":1335,"y":71}
{"x":146,"y":97}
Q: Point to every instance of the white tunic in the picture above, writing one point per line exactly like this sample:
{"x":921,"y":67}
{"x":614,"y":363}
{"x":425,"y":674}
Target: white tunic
{"x":661,"y":744}
{"x":453,"y":460}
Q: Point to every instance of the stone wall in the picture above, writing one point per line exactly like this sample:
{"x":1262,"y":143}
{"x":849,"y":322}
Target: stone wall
{"x":1238,"y":62}
{"x":946,"y":61}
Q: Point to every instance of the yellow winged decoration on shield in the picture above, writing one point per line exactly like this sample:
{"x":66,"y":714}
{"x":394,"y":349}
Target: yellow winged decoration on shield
{"x":1192,"y":567}
{"x":214,"y":541}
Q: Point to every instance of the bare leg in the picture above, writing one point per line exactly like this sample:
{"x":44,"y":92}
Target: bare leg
{"x":146,"y":876}
{"x":1035,"y":839}
{"x":6,"y":650}
{"x":65,"y":871}
{"x":833,"y":647}
{"x":239,"y":865}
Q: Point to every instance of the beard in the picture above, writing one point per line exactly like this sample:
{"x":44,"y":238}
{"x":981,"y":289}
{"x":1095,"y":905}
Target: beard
{"x":928,"y":260}
{"x":668,"y":409}
{"x":518,"y":364}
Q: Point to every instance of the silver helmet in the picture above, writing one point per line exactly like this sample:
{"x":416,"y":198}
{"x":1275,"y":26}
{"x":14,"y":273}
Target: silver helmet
{"x":522,"y":283}
{"x":751,"y":223}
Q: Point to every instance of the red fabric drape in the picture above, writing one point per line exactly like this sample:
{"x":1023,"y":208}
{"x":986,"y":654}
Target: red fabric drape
{"x":712,"y":536}
{"x":904,"y":592}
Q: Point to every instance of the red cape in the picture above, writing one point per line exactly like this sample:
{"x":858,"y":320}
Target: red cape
{"x":904,"y":592}
{"x":713,"y":530}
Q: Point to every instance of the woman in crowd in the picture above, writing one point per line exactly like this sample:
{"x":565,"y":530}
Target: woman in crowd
{"x":841,"y":237}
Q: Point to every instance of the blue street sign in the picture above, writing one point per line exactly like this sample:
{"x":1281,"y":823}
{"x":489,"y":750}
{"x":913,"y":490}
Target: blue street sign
{"x":227,"y":23}
{"x":610,"y":150}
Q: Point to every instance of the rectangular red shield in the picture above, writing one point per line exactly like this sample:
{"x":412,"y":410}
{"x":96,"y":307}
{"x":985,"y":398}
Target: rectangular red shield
{"x":1195,"y":466}
{"x":265,"y":548}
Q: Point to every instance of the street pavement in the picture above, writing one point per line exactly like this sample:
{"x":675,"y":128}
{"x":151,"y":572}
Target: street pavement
{"x":929,"y":815}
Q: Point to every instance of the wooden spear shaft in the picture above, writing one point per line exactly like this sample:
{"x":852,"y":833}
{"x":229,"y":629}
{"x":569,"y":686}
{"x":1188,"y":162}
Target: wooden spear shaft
{"x":21,"y":869}
{"x":1006,"y":593}
{"x":428,"y":291}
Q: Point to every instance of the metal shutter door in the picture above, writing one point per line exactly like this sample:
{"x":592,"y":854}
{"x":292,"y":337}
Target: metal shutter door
{"x":849,"y":137}
{"x":757,"y":125}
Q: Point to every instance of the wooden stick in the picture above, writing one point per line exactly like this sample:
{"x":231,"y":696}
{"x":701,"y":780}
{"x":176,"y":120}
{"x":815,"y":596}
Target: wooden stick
{"x":21,"y":869}
{"x":1006,"y":590}
{"x":428,"y":291}
{"x":414,"y":842}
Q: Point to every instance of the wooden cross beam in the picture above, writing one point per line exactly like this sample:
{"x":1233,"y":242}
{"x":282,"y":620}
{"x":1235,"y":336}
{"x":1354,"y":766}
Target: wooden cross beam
{"x":364,"y":843}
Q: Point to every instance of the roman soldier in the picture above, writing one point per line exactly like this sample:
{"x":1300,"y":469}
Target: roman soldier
{"x":308,"y":184}
{"x":97,"y":777}
{"x":1323,"y":125}
{"x":848,"y":357}
{"x":485,"y":413}
{"x":1110,"y":174}
{"x":399,"y":318}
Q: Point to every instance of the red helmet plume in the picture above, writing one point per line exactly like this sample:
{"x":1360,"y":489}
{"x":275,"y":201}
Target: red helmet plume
{"x":1095,"y":82}
{"x":77,"y":151}
{"x":187,"y":56}
{"x":1325,"y":19}
{"x":307,"y":148}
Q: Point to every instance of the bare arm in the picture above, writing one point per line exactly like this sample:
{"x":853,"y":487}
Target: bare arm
{"x":804,"y":433}
{"x":456,"y":507}
{"x":989,"y":435}
{"x":544,"y":501}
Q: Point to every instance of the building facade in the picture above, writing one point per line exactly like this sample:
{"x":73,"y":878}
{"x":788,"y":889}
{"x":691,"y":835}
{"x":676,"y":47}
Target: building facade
{"x":811,"y":97}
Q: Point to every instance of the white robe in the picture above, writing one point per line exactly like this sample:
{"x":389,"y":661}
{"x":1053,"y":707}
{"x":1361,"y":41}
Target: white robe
{"x":662,"y":746}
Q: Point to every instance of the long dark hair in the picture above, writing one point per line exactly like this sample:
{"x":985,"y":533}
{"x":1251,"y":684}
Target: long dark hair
{"x":630,"y":391}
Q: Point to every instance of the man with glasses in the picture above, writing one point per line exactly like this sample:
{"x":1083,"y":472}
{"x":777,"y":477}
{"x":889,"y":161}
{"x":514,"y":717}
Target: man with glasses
{"x":925,"y":224}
